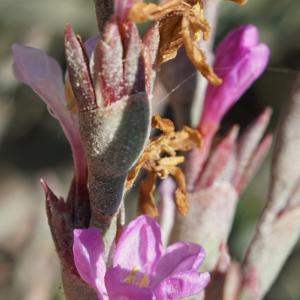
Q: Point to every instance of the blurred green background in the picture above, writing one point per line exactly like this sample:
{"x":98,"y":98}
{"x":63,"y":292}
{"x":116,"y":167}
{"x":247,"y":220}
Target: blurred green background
{"x":33,"y":146}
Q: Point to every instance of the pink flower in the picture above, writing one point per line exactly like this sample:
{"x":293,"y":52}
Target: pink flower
{"x":44,"y":75}
{"x":139,"y":268}
{"x":240,"y":60}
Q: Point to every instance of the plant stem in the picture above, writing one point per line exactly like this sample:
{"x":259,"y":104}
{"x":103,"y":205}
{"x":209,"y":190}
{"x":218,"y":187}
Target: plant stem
{"x":104,"y":9}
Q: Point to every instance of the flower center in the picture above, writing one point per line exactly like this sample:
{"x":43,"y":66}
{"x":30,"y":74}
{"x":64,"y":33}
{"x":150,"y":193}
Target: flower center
{"x":134,"y":278}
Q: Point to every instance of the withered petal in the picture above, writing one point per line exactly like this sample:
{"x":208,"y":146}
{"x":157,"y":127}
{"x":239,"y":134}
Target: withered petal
{"x":160,"y":160}
{"x":147,"y":204}
{"x":181,"y":196}
{"x":165,"y":125}
{"x":196,"y":55}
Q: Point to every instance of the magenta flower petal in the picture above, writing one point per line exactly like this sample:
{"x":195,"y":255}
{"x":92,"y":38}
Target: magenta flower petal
{"x":178,"y":258}
{"x":139,"y":246}
{"x":117,"y":288}
{"x":138,"y":269}
{"x":245,"y":36}
{"x":88,"y":251}
{"x":240,"y":60}
{"x":182,"y":285}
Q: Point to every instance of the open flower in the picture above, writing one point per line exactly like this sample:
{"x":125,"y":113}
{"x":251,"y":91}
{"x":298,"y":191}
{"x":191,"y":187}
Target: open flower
{"x":139,"y":268}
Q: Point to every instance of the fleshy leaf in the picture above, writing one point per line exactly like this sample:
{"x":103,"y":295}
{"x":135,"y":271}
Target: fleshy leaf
{"x":79,"y":73}
{"x":108,"y":68}
{"x":219,"y":160}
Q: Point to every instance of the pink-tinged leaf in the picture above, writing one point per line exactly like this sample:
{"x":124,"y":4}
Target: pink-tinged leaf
{"x":151,"y":41}
{"x":78,"y":201}
{"x":209,"y":221}
{"x":139,"y":245}
{"x":232,"y":282}
{"x":60,"y":223}
{"x":178,"y":258}
{"x":269,"y":251}
{"x":279,"y":227}
{"x":224,"y":260}
{"x":219,"y":160}
{"x":132,"y":57}
{"x":79,"y":73}
{"x":221,"y":286}
{"x":108,"y":65}
{"x":148,"y":72}
{"x":286,"y":166}
{"x":88,"y":251}
{"x":182,"y":285}
{"x":248,"y":144}
{"x":255,"y":163}
{"x":238,"y":66}
{"x":197,"y":157}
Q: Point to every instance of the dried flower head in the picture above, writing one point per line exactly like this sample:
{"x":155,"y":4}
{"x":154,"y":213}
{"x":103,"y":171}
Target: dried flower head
{"x":181,"y":22}
{"x":160,"y":159}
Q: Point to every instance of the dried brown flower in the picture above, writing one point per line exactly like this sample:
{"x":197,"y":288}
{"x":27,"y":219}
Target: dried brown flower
{"x":160,"y":159}
{"x":181,"y":22}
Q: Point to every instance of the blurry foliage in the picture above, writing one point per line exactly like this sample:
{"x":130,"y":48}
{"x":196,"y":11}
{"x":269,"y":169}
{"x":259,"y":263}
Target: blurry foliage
{"x":32,"y":142}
